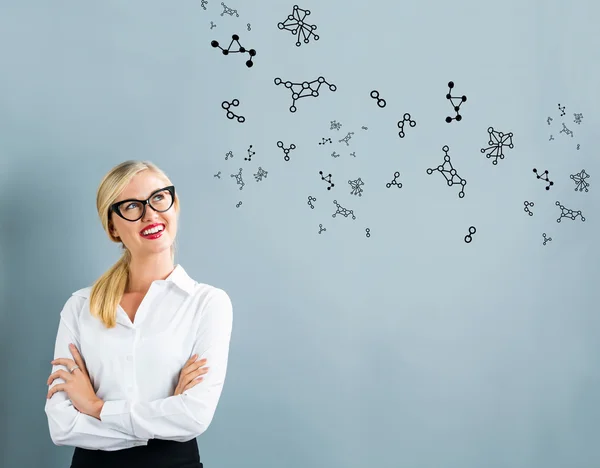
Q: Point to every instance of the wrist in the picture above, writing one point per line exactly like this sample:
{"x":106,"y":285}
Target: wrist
{"x":98,"y":408}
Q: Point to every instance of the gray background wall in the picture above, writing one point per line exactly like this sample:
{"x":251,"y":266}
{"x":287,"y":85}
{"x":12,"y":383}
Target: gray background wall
{"x":408,"y":348}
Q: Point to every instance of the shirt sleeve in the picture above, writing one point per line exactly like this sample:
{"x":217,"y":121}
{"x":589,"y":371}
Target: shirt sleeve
{"x":67,"y":425}
{"x":187,"y":415}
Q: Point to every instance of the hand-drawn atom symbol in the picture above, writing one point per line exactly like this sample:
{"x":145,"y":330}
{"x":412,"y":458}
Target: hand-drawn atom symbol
{"x":468,"y":237}
{"x":327,"y":179}
{"x":546,"y":238}
{"x":544,"y":176}
{"x":304,"y":89}
{"x":295,"y":24}
{"x":579,"y":179}
{"x":449,"y":173}
{"x":380,"y":101}
{"x":230,"y":115}
{"x":286,"y":151}
{"x":568,"y":213}
{"x":497,"y":141}
{"x":395,"y":181}
{"x":229,"y":11}
{"x":452,"y":100}
{"x":241,"y":49}
{"x":405,"y":118}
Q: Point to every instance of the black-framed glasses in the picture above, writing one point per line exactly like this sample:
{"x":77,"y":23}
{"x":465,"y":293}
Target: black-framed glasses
{"x":131,"y":209}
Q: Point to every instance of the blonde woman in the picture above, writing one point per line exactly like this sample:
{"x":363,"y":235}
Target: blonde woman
{"x":141,"y":356}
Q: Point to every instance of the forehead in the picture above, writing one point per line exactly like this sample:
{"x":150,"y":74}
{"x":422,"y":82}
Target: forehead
{"x":142,"y":185}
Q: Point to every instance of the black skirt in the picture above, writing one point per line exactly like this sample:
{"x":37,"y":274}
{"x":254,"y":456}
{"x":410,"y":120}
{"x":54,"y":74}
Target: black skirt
{"x":157,"y":454}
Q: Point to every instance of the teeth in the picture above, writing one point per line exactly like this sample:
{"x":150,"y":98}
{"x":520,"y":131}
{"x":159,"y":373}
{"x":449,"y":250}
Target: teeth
{"x":152,"y":231}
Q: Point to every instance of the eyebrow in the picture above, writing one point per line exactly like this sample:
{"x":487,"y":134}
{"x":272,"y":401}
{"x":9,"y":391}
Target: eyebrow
{"x":139,"y":199}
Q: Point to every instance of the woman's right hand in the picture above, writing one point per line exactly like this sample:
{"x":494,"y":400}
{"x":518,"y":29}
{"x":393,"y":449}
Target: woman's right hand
{"x":189,"y":375}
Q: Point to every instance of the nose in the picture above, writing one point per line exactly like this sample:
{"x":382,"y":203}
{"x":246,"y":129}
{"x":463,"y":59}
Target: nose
{"x":150,"y":215}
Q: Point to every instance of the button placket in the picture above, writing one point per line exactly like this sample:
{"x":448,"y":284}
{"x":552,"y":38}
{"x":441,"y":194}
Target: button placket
{"x":130,"y":368}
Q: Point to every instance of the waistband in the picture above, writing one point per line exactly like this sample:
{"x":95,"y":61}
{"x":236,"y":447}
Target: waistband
{"x":157,"y":454}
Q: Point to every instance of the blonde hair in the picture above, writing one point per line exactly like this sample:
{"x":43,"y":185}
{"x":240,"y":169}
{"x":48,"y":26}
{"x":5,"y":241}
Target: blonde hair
{"x":108,"y":290}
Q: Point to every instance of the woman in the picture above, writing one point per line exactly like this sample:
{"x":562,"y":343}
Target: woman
{"x":130,"y":383}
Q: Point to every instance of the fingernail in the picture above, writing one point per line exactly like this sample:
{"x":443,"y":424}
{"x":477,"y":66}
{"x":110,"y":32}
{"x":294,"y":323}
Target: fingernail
{"x":71,"y":345}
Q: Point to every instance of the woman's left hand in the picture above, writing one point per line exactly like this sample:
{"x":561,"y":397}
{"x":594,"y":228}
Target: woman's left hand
{"x":77,"y":384}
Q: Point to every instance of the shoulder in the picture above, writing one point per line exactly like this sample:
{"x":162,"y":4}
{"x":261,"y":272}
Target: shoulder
{"x":74,"y":304}
{"x":84,"y":292}
{"x":206,"y":293}
{"x":212,"y":299}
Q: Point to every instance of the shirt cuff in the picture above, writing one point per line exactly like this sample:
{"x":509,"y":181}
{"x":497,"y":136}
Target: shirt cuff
{"x":117,"y":414}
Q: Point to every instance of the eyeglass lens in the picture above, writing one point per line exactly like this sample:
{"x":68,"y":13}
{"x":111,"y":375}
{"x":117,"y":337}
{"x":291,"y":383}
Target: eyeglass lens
{"x":160,"y":201}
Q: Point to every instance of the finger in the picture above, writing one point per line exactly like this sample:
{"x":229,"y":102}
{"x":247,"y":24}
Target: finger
{"x":195,"y":365}
{"x":193,"y":383}
{"x":194,"y":375}
{"x":77,"y":357}
{"x":192,"y":361}
{"x":68,"y":363}
{"x":53,"y":390}
{"x":60,"y":374}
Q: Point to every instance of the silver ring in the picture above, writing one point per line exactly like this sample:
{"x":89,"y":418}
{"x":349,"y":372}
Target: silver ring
{"x":73,"y":368}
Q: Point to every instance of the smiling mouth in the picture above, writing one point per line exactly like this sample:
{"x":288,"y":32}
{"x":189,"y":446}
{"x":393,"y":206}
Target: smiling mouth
{"x":153,"y":233}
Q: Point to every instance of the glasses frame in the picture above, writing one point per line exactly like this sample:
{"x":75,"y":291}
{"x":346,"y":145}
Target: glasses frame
{"x":116,"y":207}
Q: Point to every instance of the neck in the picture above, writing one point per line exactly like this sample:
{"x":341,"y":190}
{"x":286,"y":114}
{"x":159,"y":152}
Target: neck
{"x":143,"y":271}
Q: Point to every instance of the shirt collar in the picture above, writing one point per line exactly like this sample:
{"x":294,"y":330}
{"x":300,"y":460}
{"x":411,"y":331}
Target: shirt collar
{"x":181,"y":279}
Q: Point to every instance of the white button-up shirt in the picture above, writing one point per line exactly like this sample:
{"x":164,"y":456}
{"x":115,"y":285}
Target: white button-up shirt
{"x":135,"y":367}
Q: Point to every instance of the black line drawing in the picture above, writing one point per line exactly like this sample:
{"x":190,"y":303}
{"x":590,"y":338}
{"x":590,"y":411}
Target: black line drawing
{"x":566,"y":131}
{"x":568,"y":213}
{"x":230,"y":115}
{"x":241,"y":49}
{"x":527,"y":205}
{"x":356,"y":187}
{"x":405,"y":118}
{"x":229,"y":11}
{"x":395,"y":181}
{"x":380,"y":101}
{"x":286,"y":151}
{"x":304,"y":89}
{"x":345,"y":212}
{"x":561,"y":109}
{"x":544,"y":177}
{"x":347,"y":138}
{"x":497,"y":141}
{"x":239,"y":179}
{"x":296,"y":24}
{"x":449,"y":173}
{"x":250,"y":154}
{"x":578,"y":118}
{"x":367,"y":232}
{"x":452,"y":100}
{"x":321,"y":228}
{"x":579,"y":179}
{"x":203,"y":4}
{"x":261,"y":174}
{"x":469,"y":237}
{"x":335,"y":125}
{"x":310,"y":202}
{"x":327,"y":179}
{"x":546,"y":239}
